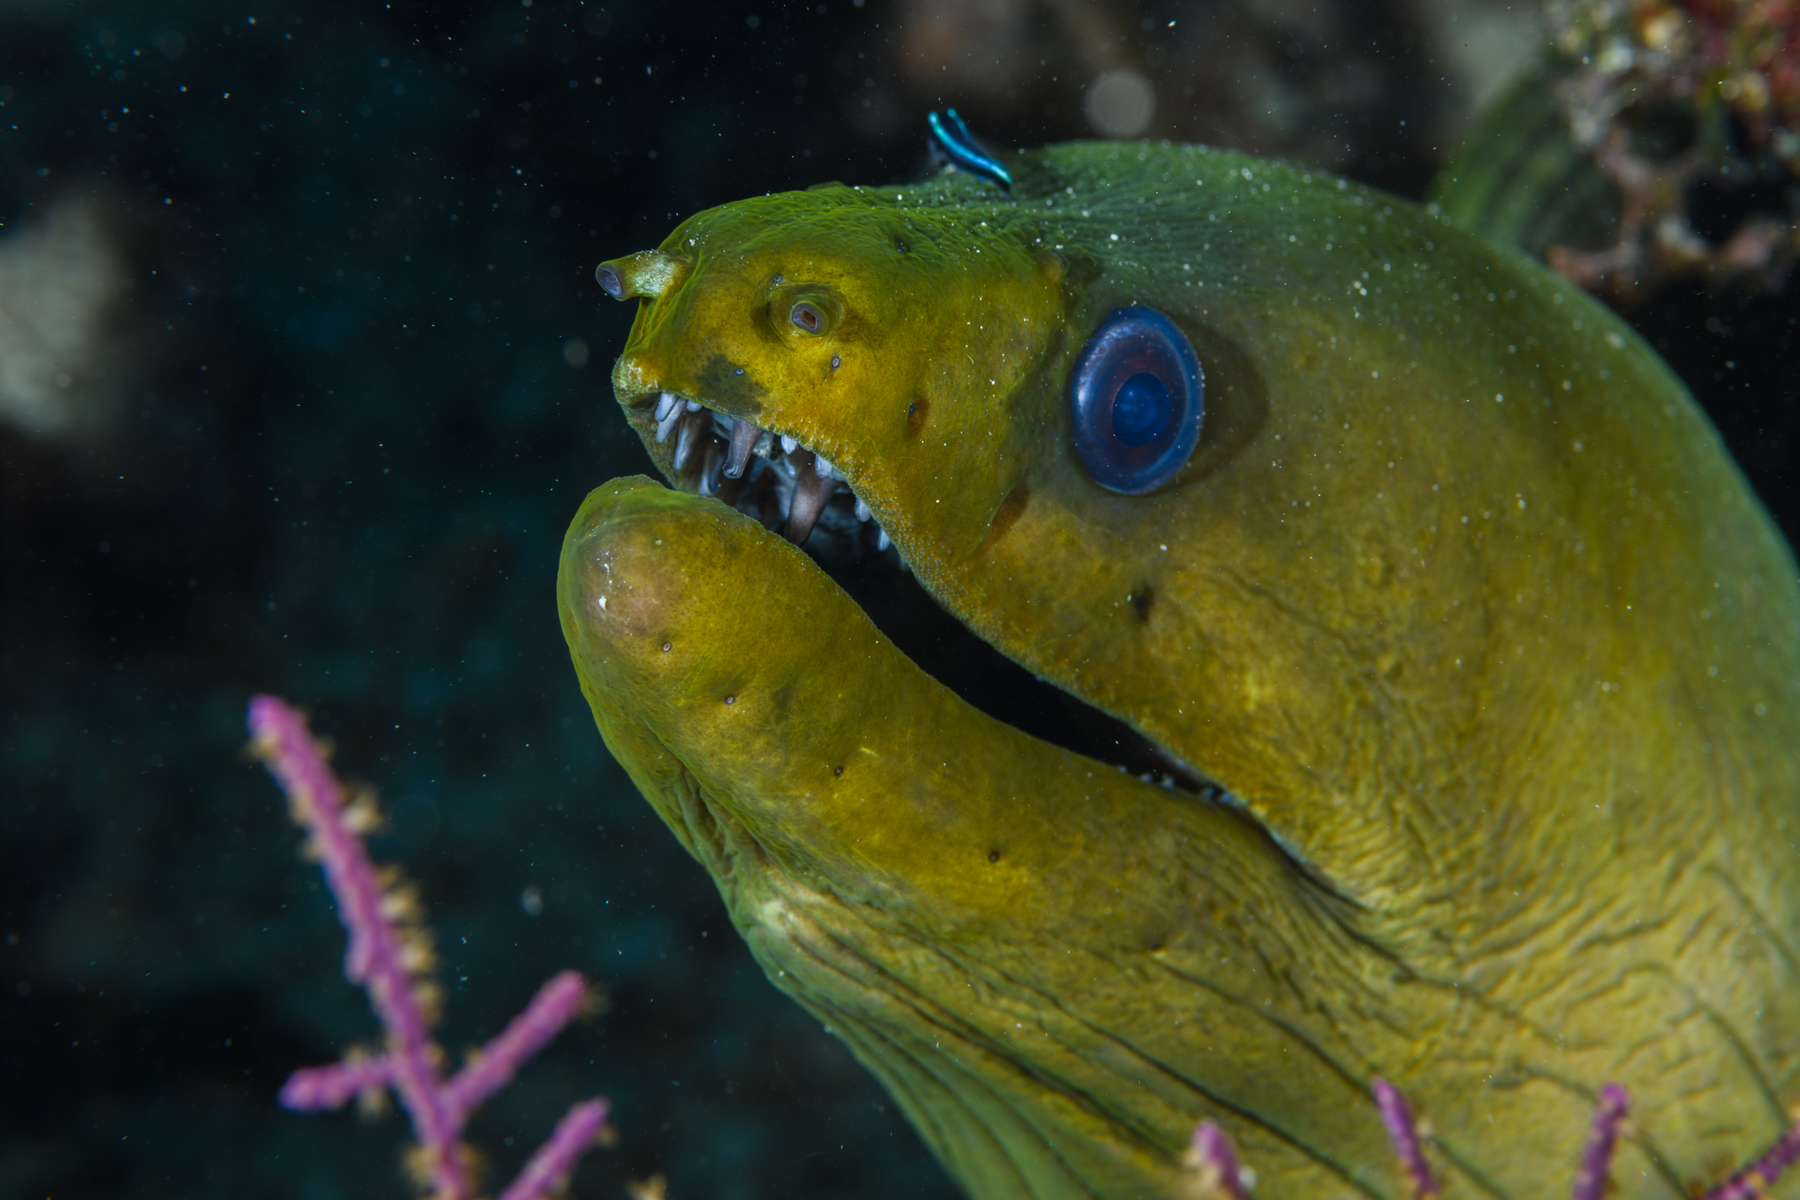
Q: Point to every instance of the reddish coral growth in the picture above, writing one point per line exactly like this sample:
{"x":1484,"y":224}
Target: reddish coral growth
{"x":1726,"y":61}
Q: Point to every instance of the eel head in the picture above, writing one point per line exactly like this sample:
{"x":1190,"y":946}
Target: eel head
{"x":1424,"y":707}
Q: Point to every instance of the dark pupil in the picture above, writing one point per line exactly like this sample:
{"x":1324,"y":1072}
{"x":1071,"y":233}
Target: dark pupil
{"x":804,"y":314}
{"x":1140,"y":410}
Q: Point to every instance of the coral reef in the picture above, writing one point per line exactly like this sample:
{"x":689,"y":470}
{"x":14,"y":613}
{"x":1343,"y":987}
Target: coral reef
{"x":1733,"y":69}
{"x":1677,"y":120}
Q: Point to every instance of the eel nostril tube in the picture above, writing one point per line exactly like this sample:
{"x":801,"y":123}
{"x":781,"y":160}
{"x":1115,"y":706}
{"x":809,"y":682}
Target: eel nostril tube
{"x":648,"y":273}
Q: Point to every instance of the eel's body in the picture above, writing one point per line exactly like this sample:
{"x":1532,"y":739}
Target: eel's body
{"x":1460,"y":604}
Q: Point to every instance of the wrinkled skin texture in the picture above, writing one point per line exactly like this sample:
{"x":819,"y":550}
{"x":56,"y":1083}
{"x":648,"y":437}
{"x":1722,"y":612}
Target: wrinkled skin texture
{"x":1460,"y":601}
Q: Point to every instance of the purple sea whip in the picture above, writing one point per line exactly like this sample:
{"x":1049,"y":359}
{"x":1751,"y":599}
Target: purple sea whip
{"x":1219,"y":1176}
{"x":1216,"y":1160}
{"x":390,"y":956}
{"x":1755,"y":1180}
{"x":1593,"y":1179}
{"x":1397,"y":1115}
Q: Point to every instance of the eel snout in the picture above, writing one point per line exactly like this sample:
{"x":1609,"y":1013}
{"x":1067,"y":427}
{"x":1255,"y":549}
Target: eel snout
{"x":615,"y":584}
{"x":726,"y":670}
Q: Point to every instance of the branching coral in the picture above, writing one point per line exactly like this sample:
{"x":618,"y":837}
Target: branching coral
{"x":390,"y":956}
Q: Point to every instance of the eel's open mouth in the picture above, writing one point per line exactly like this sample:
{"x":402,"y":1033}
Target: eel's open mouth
{"x":769,"y":476}
{"x":793,"y":490}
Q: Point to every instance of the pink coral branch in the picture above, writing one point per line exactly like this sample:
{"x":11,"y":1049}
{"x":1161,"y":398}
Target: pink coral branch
{"x":1397,"y":1115}
{"x":548,"y":1171}
{"x":384,"y":958}
{"x":1591,"y":1181}
{"x":1218,"y":1160}
{"x":1754,"y":1181}
{"x":493,"y":1067}
{"x":375,"y":955}
{"x":311,"y":1089}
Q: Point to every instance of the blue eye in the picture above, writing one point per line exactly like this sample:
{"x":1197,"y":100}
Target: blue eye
{"x":1137,"y":397}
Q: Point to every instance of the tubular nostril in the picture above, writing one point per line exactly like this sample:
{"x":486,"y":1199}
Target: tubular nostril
{"x":649,"y":274}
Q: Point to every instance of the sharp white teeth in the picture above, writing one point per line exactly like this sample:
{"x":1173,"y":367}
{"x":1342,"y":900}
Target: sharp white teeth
{"x":882,"y":541}
{"x":810,"y":494}
{"x":744,"y":437}
{"x":788,"y":444}
{"x":665,"y":405}
{"x":693,"y":406}
{"x":685,"y":440}
{"x":862,"y":510}
{"x":709,"y":470}
{"x":825,"y":469}
{"x":666,"y":421}
{"x":763,"y":444}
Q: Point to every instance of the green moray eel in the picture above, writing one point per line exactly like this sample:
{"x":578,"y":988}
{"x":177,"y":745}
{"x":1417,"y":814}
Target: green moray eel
{"x":1473,"y":655}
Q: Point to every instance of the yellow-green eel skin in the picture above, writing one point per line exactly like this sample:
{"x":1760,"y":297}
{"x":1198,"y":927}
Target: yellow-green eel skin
{"x":1487,"y":647}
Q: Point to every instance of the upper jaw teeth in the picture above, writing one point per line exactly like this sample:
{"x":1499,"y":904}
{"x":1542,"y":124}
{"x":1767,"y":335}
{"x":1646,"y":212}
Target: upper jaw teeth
{"x":744,"y":439}
{"x":724,"y":446}
{"x":684,"y":443}
{"x":666,"y":416}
